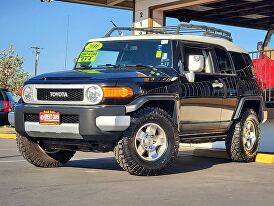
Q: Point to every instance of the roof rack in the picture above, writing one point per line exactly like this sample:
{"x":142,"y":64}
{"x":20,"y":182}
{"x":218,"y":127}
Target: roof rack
{"x":181,"y":29}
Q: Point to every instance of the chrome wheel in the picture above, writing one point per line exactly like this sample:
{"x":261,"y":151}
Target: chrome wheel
{"x":250,"y":135}
{"x":151,"y":142}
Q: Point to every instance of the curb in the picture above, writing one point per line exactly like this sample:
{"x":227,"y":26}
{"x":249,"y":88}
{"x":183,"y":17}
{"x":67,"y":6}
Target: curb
{"x":7,"y":136}
{"x":265,"y":158}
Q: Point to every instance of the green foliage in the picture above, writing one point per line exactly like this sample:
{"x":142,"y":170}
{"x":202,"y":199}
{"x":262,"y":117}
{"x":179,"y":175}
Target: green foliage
{"x":11,"y":72}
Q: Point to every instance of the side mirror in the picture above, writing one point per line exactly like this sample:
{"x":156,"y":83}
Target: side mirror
{"x":260,"y":46}
{"x":196,"y":63}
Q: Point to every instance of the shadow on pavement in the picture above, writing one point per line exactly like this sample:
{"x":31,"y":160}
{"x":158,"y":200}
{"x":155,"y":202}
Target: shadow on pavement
{"x":183,"y":164}
{"x":107,"y":163}
{"x":9,"y":156}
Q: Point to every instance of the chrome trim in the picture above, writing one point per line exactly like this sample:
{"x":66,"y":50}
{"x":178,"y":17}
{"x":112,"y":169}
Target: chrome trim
{"x":60,"y":86}
{"x":113,"y":123}
{"x":11,"y":118}
{"x":62,"y":128}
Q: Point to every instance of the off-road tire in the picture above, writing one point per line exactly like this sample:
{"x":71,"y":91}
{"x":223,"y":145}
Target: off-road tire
{"x":35,"y":155}
{"x":125,"y":152}
{"x":234,"y":141}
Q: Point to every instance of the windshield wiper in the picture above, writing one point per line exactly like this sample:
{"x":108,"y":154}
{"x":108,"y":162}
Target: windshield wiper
{"x":109,"y":65}
{"x":84,"y":67}
{"x":140,"y":66}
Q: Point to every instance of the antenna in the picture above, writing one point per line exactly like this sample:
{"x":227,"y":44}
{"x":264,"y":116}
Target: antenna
{"x":36,"y":58}
{"x":119,"y":31}
{"x":67,"y":42}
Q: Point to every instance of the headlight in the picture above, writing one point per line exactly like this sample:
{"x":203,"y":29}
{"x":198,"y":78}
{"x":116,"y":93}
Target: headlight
{"x":27,"y":94}
{"x":94,"y":94}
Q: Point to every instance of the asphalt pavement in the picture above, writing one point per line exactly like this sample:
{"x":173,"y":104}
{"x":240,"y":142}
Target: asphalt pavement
{"x":96,"y":179}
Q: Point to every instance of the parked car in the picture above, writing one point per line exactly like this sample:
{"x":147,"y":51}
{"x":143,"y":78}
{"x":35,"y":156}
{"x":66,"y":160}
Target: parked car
{"x":140,"y":96}
{"x":7,"y":104}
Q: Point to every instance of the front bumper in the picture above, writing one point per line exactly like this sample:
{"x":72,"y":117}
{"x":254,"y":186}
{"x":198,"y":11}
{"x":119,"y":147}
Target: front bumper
{"x":95,"y":123}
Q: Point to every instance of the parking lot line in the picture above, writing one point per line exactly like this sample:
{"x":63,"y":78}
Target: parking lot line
{"x":7,"y":136}
{"x":12,"y":161}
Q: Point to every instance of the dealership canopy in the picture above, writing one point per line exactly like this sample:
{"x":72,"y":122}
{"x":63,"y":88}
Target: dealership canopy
{"x":257,"y":14}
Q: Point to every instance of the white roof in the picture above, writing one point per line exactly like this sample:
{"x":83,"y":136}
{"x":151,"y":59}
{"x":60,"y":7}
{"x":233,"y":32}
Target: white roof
{"x":191,"y":38}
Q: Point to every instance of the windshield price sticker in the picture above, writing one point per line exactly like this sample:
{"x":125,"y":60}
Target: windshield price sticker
{"x":164,"y":56}
{"x":158,"y":54}
{"x":93,"y":46}
{"x":164,"y":42}
{"x":87,"y":57}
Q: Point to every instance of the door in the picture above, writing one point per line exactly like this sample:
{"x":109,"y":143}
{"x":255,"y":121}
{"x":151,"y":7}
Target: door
{"x":227,"y":75}
{"x":201,"y":100}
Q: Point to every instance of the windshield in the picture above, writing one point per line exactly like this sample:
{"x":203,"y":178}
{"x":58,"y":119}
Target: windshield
{"x":152,"y":53}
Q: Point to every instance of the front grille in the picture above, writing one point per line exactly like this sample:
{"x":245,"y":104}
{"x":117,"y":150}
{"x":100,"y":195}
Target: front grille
{"x":31,"y":117}
{"x":65,"y":118}
{"x":60,"y":94}
{"x":69,"y":118}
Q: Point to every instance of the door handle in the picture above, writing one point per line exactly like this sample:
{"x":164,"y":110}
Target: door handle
{"x":217,"y":85}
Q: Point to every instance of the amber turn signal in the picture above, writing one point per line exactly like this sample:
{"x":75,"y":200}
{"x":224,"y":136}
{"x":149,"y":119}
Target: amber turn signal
{"x":117,"y":92}
{"x":20,"y":91}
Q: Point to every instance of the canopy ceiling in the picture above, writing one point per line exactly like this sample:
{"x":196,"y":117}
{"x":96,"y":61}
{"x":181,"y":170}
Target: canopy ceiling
{"x":256,"y":14}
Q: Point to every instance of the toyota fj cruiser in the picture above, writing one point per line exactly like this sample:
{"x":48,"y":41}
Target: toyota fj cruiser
{"x":140,"y":96}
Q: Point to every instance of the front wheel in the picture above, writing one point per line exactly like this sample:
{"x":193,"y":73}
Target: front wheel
{"x":35,"y":154}
{"x":243,"y":140}
{"x":149,"y":145}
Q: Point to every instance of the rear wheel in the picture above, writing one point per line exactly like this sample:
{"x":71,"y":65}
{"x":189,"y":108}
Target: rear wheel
{"x":149,"y":145}
{"x":35,"y":154}
{"x":243,"y":140}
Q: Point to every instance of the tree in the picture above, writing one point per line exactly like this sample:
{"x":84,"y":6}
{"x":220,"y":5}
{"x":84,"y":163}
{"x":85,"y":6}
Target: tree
{"x":11,"y":73}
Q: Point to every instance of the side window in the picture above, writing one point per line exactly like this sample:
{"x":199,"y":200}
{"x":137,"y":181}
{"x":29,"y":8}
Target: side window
{"x":249,"y":65}
{"x":238,"y":60}
{"x":248,"y":60}
{"x":198,"y":51}
{"x":223,"y":61}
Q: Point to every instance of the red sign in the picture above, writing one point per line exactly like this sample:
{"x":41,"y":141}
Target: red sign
{"x":49,"y":117}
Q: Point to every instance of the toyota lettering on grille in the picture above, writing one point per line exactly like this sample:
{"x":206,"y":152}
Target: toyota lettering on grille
{"x":58,"y":94}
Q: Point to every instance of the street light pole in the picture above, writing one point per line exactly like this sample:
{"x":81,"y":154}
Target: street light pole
{"x":36,"y":60}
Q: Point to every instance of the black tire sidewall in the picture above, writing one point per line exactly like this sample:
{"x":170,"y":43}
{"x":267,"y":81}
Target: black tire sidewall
{"x":235,"y":140}
{"x":36,"y":155}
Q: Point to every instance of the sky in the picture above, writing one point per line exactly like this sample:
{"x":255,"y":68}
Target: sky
{"x":27,"y":23}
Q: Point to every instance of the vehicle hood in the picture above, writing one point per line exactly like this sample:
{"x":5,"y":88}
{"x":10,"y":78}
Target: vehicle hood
{"x":105,"y":75}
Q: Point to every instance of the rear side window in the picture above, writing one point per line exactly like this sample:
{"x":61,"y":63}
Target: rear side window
{"x":223,"y":61}
{"x":248,"y":60}
{"x":238,"y":60}
{"x":249,"y":65}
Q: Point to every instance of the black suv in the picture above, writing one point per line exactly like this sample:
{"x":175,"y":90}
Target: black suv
{"x":6,"y":105}
{"x":140,"y":96}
